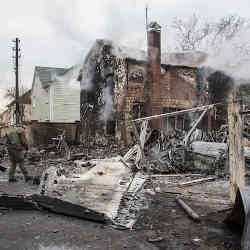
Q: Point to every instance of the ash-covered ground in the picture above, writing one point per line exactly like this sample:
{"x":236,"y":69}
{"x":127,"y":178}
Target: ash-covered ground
{"x":160,"y":222}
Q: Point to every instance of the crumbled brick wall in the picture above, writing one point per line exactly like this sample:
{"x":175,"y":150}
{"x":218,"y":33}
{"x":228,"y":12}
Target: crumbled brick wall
{"x":174,"y":91}
{"x":177,"y":91}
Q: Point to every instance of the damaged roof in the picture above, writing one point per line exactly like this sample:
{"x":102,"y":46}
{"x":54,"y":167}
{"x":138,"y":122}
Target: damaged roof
{"x":187,"y":58}
{"x":48,"y":74}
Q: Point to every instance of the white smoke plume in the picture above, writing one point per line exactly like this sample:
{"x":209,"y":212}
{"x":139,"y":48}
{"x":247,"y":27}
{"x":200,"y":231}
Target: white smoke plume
{"x":106,"y":112}
{"x":89,"y":67}
{"x":232,"y":56}
{"x":70,"y":76}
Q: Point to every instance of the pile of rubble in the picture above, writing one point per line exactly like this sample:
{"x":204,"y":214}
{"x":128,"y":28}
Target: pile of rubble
{"x":165,"y":153}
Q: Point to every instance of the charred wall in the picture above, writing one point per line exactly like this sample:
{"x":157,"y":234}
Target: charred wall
{"x":128,"y":80}
{"x":177,"y":91}
{"x":219,"y":88}
{"x":178,"y":87}
{"x":102,"y":103}
{"x":134,"y":101}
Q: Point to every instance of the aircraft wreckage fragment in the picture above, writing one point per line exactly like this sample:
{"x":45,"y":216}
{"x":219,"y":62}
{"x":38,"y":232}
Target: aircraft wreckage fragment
{"x":39,"y":202}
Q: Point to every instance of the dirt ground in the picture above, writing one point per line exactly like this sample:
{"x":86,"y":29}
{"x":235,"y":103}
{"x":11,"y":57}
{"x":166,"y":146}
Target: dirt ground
{"x":21,"y":230}
{"x":166,"y":220}
{"x":164,"y":225}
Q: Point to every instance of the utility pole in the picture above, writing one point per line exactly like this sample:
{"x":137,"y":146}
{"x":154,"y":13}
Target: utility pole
{"x":16,"y":48}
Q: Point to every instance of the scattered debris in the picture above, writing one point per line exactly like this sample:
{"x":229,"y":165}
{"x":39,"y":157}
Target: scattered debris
{"x":133,"y":200}
{"x":166,"y":153}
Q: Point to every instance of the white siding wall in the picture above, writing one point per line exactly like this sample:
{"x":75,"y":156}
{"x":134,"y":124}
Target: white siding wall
{"x":66,"y":101}
{"x":60,"y":102}
{"x":39,"y":102}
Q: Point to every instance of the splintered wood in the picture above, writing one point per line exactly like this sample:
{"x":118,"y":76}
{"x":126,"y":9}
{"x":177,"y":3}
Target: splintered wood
{"x":137,"y":151}
{"x":236,"y":150}
{"x":194,"y":127}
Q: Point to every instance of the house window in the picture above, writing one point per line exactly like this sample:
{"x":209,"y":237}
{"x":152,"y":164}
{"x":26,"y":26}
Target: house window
{"x":174,"y":122}
{"x":110,"y":127}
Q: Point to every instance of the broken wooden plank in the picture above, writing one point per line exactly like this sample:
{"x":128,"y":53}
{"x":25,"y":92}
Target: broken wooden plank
{"x":130,"y":154}
{"x":209,"y":149}
{"x":236,"y":150}
{"x":125,"y":164}
{"x":197,"y":181}
{"x":213,"y":149}
{"x":173,"y":175}
{"x":191,"y":213}
{"x":186,"y":139}
{"x":77,"y":156}
{"x":140,"y":153}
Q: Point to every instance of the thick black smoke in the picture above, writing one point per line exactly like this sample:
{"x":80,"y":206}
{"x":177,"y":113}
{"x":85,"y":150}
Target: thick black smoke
{"x":219,"y":86}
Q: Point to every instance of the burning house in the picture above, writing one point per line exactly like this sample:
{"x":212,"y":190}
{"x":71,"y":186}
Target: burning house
{"x":119,"y":84}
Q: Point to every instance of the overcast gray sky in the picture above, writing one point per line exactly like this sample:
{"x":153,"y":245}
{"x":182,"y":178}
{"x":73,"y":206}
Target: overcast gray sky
{"x":58,"y":33}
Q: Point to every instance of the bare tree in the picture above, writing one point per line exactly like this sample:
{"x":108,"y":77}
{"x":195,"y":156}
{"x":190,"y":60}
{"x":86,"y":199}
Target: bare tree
{"x":226,"y":41}
{"x":229,"y":26}
{"x":195,"y":33}
{"x":190,"y":33}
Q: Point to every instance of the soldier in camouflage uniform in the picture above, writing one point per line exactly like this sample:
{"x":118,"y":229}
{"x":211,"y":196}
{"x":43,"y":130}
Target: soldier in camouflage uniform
{"x":16,"y":143}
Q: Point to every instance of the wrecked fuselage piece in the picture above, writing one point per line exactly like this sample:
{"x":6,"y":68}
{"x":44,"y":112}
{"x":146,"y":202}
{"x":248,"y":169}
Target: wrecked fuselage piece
{"x":240,"y":215}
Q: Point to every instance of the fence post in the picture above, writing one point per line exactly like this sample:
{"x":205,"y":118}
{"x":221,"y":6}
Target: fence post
{"x":236,"y":149}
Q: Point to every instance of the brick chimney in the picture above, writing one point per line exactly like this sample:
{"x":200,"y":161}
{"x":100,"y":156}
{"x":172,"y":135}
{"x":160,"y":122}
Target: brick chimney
{"x":154,"y":72}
